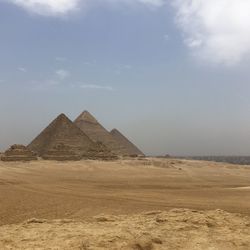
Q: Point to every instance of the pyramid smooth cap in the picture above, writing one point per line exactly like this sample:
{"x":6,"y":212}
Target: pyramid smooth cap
{"x":62,"y":116}
{"x":114,"y":130}
{"x":87,"y":117}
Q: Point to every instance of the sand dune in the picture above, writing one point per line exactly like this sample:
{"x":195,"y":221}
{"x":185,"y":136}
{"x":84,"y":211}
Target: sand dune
{"x":67,"y":200}
{"x":248,"y":187}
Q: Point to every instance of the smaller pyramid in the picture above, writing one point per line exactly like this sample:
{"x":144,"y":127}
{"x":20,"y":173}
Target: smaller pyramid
{"x":61,"y":137}
{"x":18,"y":153}
{"x":131,"y":149}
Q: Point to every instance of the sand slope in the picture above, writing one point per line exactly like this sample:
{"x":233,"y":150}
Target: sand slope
{"x":79,"y":190}
{"x":175,"y":229}
{"x":67,"y":199}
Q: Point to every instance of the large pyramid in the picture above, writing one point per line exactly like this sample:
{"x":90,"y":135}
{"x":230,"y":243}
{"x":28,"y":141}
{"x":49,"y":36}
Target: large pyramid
{"x":132,"y":150}
{"x":97,"y":133}
{"x":61,"y":131}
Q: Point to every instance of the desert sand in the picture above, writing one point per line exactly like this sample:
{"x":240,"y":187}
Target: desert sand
{"x":126,"y":204}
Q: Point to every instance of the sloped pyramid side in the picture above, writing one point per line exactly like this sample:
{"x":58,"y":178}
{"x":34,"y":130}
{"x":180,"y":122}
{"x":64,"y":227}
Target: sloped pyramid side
{"x":61,"y":131}
{"x":97,"y":133}
{"x":130,"y":147}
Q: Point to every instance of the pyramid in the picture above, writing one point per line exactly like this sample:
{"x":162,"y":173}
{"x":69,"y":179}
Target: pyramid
{"x":61,"y":131}
{"x":18,"y":153}
{"x":132,"y":150}
{"x":97,"y":133}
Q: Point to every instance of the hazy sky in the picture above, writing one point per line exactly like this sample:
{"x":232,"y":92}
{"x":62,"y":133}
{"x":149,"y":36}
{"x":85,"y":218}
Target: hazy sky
{"x":172,"y":75}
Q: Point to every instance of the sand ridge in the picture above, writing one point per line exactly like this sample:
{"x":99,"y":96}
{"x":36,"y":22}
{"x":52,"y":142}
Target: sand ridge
{"x":179,"y":229}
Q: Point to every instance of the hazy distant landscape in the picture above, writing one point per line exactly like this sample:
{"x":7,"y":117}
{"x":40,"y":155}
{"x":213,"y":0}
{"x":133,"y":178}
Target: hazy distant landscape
{"x":240,"y":160}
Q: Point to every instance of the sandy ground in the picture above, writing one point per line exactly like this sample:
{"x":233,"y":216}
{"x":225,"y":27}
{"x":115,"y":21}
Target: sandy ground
{"x":124,"y":192}
{"x":172,"y":230}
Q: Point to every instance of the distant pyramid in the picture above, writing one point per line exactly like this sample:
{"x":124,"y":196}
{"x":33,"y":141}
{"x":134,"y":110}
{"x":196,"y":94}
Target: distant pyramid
{"x":97,"y":133}
{"x":61,"y":131}
{"x":132,"y":150}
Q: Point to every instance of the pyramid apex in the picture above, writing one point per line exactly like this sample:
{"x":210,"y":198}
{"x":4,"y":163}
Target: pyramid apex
{"x":87,"y":117}
{"x":62,"y":115}
{"x":114,"y":130}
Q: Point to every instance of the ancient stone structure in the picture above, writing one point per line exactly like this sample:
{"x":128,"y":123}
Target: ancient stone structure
{"x":97,"y":133}
{"x":131,"y":149}
{"x":85,"y":138}
{"x":64,"y":132}
{"x":101,"y":153}
{"x":18,"y":153}
{"x":61,"y":152}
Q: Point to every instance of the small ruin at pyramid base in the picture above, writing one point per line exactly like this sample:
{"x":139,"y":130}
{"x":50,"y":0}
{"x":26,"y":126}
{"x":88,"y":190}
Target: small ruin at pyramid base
{"x":100,"y":152}
{"x":18,"y":153}
{"x":61,"y":152}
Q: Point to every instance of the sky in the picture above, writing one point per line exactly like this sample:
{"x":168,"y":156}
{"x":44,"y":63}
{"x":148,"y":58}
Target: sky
{"x":171,"y":75}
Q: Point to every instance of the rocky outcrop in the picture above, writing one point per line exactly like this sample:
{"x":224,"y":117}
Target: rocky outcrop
{"x":176,"y":229}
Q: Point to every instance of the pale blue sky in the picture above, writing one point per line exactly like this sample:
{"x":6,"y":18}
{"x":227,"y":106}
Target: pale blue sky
{"x":172,"y":79}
